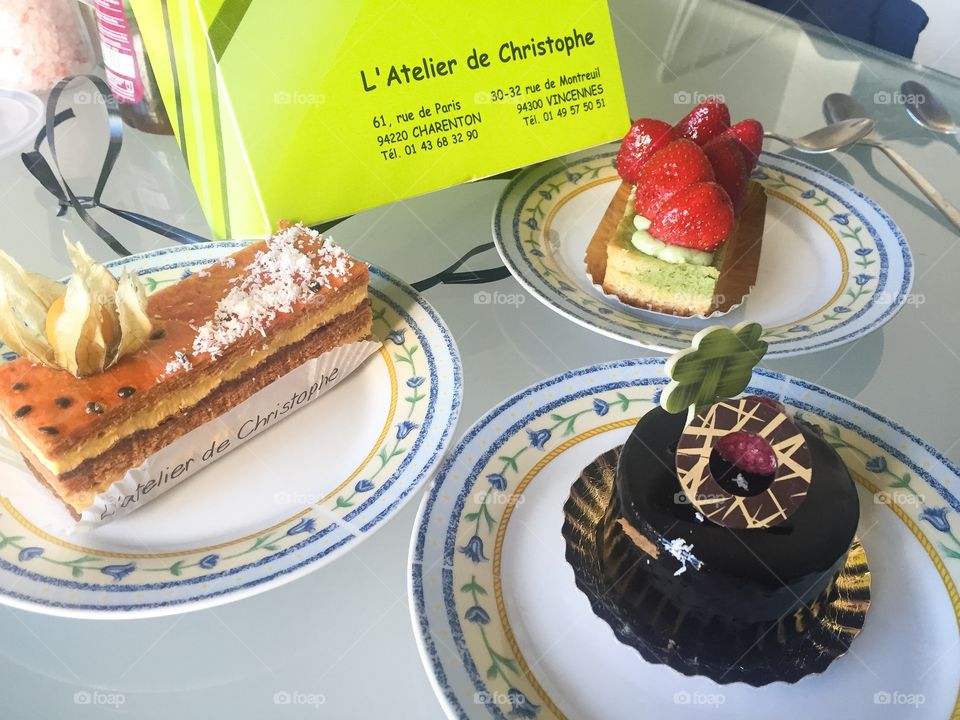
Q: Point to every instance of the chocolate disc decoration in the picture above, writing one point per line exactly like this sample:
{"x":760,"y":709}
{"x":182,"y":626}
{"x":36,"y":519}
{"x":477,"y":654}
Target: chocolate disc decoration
{"x":724,"y":493}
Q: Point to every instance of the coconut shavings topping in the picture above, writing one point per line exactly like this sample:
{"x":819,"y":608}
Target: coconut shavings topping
{"x":682,"y":551}
{"x":179,"y":363}
{"x":278,"y":278}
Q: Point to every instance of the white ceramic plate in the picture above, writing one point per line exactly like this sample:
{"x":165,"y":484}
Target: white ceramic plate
{"x":21,"y":115}
{"x":505,"y":632}
{"x":297,"y":496}
{"x":834,"y":265}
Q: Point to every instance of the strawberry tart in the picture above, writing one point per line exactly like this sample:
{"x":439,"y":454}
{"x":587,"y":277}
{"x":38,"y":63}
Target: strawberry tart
{"x":683,"y":233}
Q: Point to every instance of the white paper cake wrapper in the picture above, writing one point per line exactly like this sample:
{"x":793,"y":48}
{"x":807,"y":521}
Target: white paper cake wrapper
{"x":200,"y":447}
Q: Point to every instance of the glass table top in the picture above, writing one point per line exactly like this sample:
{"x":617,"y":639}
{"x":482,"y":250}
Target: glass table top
{"x":341,"y":639}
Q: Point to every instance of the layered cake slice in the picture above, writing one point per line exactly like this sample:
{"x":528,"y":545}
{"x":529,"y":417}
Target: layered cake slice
{"x":201,"y":347}
{"x":683,"y":232}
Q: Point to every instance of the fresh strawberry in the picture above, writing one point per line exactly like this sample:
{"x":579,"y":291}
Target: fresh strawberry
{"x":729,"y":166}
{"x":644,"y":138}
{"x":705,"y":122}
{"x":750,"y":134}
{"x":679,"y":164}
{"x":699,"y":216}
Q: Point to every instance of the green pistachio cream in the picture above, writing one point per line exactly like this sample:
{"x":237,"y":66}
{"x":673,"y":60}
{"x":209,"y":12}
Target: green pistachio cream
{"x":646,"y":243}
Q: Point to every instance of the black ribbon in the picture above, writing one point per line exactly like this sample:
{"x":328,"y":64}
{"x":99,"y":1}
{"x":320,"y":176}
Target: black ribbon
{"x":56,"y":185}
{"x":450,"y":276}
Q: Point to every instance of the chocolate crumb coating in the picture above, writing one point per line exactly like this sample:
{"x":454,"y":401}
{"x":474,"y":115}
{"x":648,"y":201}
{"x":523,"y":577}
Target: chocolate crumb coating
{"x":741,"y":575}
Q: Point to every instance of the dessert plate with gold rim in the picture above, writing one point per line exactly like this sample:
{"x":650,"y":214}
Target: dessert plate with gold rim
{"x":277,"y":507}
{"x":834,"y":266}
{"x":504,"y":631}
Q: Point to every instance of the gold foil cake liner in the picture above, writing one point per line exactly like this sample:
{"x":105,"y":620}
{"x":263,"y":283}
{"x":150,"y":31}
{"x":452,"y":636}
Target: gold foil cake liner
{"x":611,"y":572}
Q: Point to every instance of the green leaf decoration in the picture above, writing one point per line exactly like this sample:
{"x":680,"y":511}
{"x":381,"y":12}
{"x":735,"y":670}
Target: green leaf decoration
{"x":262,"y":542}
{"x":902,"y":481}
{"x":950,"y":552}
{"x":10,"y":540}
{"x":719,"y":364}
{"x":491,"y":522}
{"x":507,"y":662}
{"x":510,"y":461}
{"x":472,"y":587}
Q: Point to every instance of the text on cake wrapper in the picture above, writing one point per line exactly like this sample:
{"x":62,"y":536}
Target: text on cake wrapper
{"x":250,"y":427}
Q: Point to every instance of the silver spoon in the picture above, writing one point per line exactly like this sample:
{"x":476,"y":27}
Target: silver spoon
{"x":838,"y":107}
{"x":926,"y":109}
{"x":829,"y":138}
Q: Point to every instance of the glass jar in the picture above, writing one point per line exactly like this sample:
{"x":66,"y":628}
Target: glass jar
{"x":41,"y":41}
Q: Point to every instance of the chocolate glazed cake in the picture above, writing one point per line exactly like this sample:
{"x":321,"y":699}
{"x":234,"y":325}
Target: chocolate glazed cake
{"x":720,"y":539}
{"x":733,"y":576}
